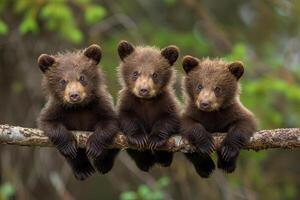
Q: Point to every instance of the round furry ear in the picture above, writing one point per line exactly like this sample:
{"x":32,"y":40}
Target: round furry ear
{"x":171,"y":53}
{"x":237,"y":69}
{"x":45,"y":61}
{"x":125,"y":49}
{"x":189,"y":63}
{"x":93,"y":52}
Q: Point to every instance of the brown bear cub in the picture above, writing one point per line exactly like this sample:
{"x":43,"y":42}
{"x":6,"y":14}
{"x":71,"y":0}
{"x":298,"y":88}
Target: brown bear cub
{"x":78,"y":100}
{"x":212,"y":105}
{"x":147,"y":108}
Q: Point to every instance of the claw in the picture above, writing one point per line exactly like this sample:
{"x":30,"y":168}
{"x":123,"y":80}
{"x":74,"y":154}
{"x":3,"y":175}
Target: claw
{"x":156,"y":141}
{"x":152,"y":146}
{"x":140,"y":141}
{"x":69,"y":150}
{"x":228,"y":152}
{"x":93,"y":149}
{"x":212,"y":147}
{"x":145,"y":142}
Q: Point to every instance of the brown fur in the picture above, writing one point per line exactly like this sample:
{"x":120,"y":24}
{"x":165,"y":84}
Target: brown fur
{"x":208,"y":110}
{"x":147,"y":120}
{"x":92,"y":110}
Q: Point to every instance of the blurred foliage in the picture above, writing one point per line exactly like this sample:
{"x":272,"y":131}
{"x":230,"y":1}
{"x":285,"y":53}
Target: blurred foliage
{"x":144,"y":192}
{"x":7,"y":191}
{"x":264,"y":35}
{"x":54,"y":15}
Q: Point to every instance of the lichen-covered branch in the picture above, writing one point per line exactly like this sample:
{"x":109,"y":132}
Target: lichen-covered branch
{"x":286,"y":138}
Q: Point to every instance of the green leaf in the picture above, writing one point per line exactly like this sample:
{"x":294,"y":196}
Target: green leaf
{"x":7,"y":190}
{"x":158,"y":195}
{"x":144,"y":191}
{"x":3,"y":28}
{"x":21,"y":6}
{"x":94,"y":14}
{"x":239,"y":52}
{"x":128,"y":196}
{"x":73,"y":34}
{"x":29,"y":24}
{"x":163,"y":182}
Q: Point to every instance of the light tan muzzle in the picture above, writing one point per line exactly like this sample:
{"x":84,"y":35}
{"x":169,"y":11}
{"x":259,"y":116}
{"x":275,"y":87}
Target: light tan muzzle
{"x":74,"y":92}
{"x":207,"y":100}
{"x":144,"y":87}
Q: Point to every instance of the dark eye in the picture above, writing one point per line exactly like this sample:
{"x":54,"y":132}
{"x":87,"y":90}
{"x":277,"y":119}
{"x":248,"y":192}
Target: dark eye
{"x":200,"y":87}
{"x":63,"y":82}
{"x":154,"y":75}
{"x":81,"y":78}
{"x":135,"y":73}
{"x":217,"y":90}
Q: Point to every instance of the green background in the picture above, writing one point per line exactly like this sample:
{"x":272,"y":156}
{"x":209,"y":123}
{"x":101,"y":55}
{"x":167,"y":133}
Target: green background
{"x":264,"y":34}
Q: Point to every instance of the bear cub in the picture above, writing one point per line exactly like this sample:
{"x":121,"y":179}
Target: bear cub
{"x":212,"y":104}
{"x":147,"y":107}
{"x":78,"y":100}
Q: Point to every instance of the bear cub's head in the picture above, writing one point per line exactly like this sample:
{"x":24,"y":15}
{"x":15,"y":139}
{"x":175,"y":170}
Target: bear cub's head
{"x":146,"y":71}
{"x":72,"y":77}
{"x":211,"y":84}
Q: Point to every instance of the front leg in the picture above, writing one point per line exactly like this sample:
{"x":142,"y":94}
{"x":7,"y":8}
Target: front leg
{"x":198,"y":136}
{"x":105,"y":162}
{"x":202,"y":140}
{"x":60,"y":137}
{"x":203,"y":164}
{"x":102,"y":138}
{"x":144,"y":160}
{"x":66,"y":144}
{"x":237,"y":137}
{"x":162,"y":130}
{"x":133,"y":129}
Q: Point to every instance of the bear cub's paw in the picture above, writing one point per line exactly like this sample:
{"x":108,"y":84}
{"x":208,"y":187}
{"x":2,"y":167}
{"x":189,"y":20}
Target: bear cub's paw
{"x":84,"y":173}
{"x":203,"y":142}
{"x":205,"y":167}
{"x":68,"y":149}
{"x":156,"y":141}
{"x":163,"y":158}
{"x":227,"y":157}
{"x":138,"y":140}
{"x":104,"y":165}
{"x":94,"y":147}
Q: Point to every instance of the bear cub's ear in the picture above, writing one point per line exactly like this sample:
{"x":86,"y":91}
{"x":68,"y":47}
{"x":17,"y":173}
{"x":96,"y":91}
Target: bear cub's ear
{"x":170,"y":53}
{"x":237,"y":69}
{"x":93,"y":52}
{"x":125,"y":49}
{"x":45,"y":61}
{"x":189,"y":63}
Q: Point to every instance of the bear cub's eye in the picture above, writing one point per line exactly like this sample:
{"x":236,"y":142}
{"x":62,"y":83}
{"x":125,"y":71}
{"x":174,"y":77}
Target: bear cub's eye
{"x":135,"y":75}
{"x":63,"y":82}
{"x":217,"y":90}
{"x":82,"y":79}
{"x":200,"y":87}
{"x":154,"y":75}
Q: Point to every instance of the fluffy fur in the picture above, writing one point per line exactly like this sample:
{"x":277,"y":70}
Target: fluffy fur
{"x":212,"y":105}
{"x":78,"y":100}
{"x":147,"y":107}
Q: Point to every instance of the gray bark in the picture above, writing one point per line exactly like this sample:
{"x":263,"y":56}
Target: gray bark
{"x":285,"y":138}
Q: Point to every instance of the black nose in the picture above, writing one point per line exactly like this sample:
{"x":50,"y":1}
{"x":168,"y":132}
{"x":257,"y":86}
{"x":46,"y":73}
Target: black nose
{"x":74,"y":96}
{"x":204,"y":104}
{"x":144,"y":91}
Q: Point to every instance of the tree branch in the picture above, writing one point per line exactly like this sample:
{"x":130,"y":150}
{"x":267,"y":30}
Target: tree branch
{"x":286,"y":138}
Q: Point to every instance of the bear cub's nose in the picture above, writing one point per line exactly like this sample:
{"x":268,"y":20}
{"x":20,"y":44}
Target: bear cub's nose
{"x":74,"y":96}
{"x":204,"y":104}
{"x":144,"y":92}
